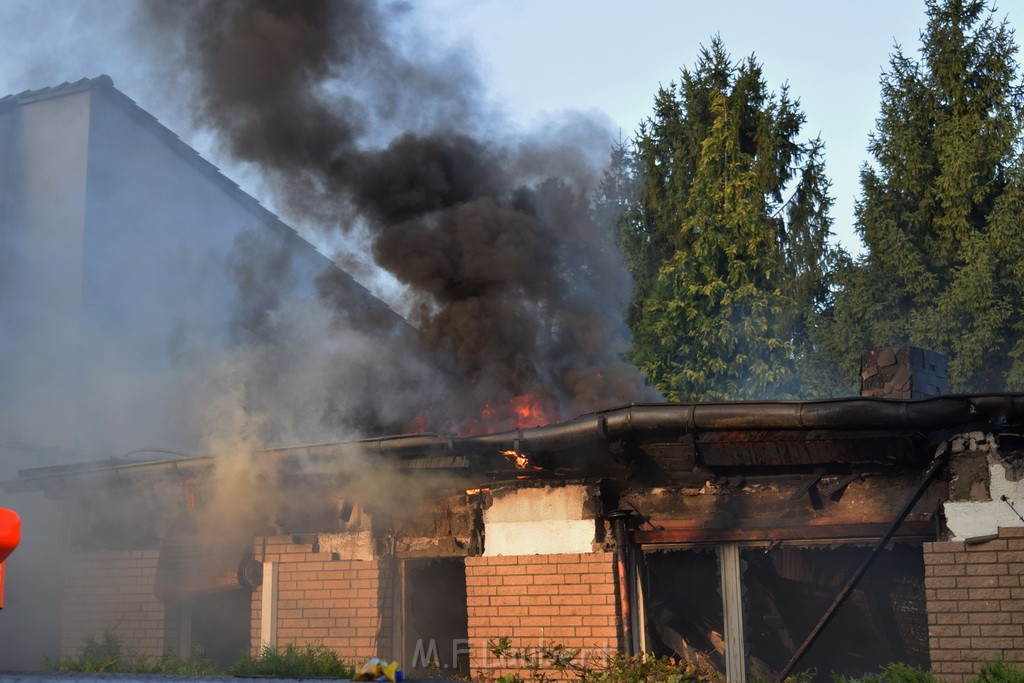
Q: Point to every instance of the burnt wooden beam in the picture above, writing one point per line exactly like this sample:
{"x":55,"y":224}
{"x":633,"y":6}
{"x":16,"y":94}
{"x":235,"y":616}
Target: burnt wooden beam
{"x":811,"y":489}
{"x":836,"y":492}
{"x":915,"y":526}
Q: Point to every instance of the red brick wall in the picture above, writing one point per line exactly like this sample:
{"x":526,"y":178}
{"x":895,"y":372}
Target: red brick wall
{"x":541,"y":600}
{"x":975,"y":603}
{"x":113,"y":590}
{"x":343,"y":604}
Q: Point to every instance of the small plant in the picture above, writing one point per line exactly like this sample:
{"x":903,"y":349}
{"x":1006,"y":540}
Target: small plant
{"x":292,"y":661}
{"x":646,"y":668}
{"x":109,"y":655}
{"x":1000,"y":671}
{"x":560,"y":662}
{"x":890,"y":673}
{"x":198,"y":664}
{"x":94,"y":656}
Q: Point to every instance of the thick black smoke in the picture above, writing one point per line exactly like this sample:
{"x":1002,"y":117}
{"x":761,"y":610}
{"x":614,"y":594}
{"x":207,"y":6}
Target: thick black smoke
{"x":358,"y":123}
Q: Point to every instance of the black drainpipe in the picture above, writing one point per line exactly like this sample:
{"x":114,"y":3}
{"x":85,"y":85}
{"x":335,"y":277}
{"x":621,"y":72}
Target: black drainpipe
{"x":620,"y":528}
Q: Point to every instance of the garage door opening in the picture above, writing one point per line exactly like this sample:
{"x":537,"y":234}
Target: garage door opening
{"x":788,"y":589}
{"x":220,"y":624}
{"x":435,"y":617}
{"x":785,"y":590}
{"x":684,"y":607}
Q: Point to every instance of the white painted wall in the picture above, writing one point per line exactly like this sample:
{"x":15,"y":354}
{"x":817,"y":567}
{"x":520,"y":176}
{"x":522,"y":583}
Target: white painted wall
{"x":538,"y":521}
{"x":41,"y":289}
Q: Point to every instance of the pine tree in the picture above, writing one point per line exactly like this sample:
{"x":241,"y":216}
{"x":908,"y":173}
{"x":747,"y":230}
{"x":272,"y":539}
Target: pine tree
{"x":727,"y":238}
{"x":939,"y":213}
{"x":615,"y":203}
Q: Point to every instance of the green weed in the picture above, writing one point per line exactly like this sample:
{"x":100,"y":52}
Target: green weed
{"x":1000,"y":671}
{"x":109,"y":655}
{"x":293,"y":661}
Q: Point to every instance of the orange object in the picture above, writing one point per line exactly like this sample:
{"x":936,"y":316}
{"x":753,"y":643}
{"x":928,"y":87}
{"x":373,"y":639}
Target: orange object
{"x":10,"y":536}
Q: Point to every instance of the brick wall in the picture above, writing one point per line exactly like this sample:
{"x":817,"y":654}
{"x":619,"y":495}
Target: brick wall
{"x":113,"y":590}
{"x":343,"y":604}
{"x":975,"y":603}
{"x":540,"y":600}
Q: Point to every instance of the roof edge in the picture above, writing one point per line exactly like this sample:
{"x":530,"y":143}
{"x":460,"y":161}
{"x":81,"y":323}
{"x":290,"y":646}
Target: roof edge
{"x":932,"y":415}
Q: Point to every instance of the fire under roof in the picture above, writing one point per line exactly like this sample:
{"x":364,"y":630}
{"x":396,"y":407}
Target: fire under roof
{"x":662,"y":443}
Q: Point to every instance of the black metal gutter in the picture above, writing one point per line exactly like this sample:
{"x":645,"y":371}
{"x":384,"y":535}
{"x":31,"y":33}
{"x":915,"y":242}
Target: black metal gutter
{"x":589,"y":434}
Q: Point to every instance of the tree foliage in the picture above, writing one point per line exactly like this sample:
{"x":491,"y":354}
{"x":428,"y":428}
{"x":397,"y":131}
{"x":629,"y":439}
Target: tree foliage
{"x":724,"y":225}
{"x":940,"y":207}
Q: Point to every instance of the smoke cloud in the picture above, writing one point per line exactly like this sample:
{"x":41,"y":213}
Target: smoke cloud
{"x":361,"y":126}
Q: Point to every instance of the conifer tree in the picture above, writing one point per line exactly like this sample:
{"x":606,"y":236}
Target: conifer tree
{"x":940,"y":207}
{"x":727,"y":236}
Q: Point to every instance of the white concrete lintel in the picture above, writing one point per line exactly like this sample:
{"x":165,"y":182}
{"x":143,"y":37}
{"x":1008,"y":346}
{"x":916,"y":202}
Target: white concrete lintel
{"x":539,"y":521}
{"x":539,"y":538}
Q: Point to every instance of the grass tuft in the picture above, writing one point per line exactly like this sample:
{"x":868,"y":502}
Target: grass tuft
{"x":109,"y":655}
{"x":293,"y":661}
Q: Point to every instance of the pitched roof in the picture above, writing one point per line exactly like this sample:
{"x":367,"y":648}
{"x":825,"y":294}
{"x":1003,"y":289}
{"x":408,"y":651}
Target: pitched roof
{"x":64,"y":88}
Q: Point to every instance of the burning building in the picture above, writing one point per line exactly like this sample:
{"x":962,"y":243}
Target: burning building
{"x":721,"y":532}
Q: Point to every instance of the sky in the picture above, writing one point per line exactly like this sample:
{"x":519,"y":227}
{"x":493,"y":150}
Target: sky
{"x":541,"y":58}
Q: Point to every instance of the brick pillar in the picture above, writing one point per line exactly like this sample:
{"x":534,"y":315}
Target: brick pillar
{"x":975,"y":603}
{"x":540,"y":601}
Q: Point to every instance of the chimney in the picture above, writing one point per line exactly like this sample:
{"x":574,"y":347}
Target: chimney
{"x":903,"y":372}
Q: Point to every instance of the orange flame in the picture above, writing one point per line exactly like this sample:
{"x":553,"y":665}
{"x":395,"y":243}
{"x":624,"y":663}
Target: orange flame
{"x":519,"y":412}
{"x":473,"y":492}
{"x":518,"y":458}
{"x":529,"y":412}
{"x":521,"y":461}
{"x":418,"y":425}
